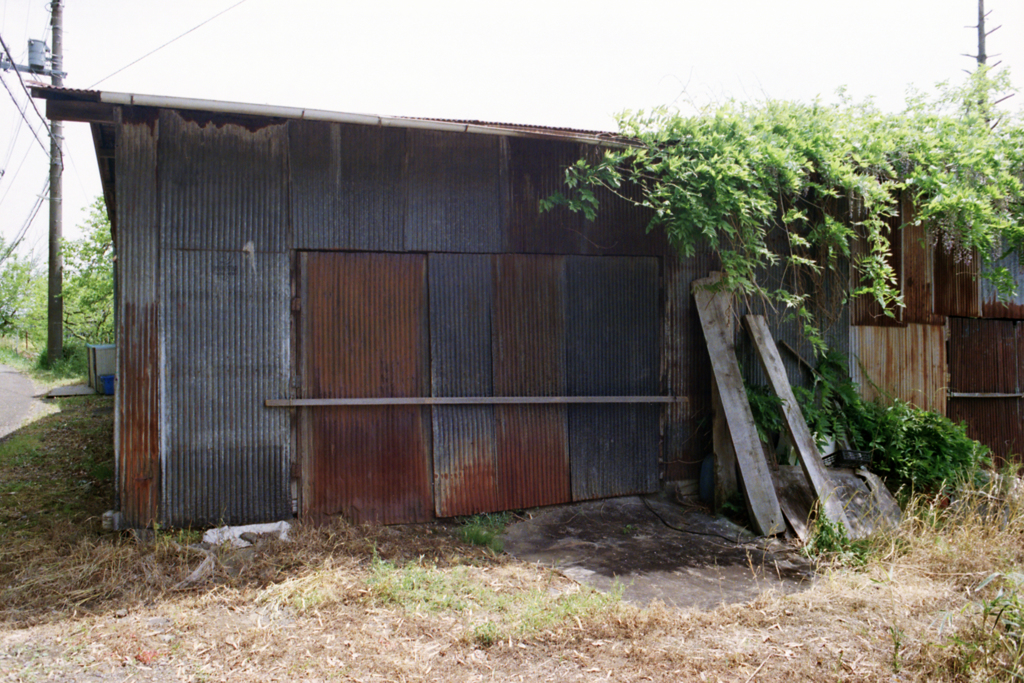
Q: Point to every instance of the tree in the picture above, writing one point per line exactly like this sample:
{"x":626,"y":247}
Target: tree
{"x":89,"y":280}
{"x":20,"y":284}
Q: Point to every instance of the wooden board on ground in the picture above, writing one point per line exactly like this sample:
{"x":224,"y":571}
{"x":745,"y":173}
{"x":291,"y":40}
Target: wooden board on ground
{"x":867,"y":509}
{"x":762,"y":504}
{"x":796,"y":426}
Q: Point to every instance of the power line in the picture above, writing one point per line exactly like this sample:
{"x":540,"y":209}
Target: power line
{"x":28,"y":222}
{"x":166,"y":44}
{"x":22,"y":112}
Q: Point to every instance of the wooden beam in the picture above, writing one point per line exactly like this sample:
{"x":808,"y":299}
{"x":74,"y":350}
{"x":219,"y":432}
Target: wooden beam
{"x":88,"y":112}
{"x":762,"y":504}
{"x":465,"y":400}
{"x":807,"y":450}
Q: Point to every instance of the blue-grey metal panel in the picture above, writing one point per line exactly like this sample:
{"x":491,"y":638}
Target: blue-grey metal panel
{"x":225,"y":348}
{"x":832,"y":316}
{"x":223,"y":185}
{"x":136,"y":417}
{"x":453,"y":192}
{"x":461,"y":301}
{"x":612,"y":338}
{"x":346,"y":186}
{"x":1013,"y":307}
{"x":536,"y":170}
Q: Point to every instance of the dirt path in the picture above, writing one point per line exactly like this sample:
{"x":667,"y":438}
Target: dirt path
{"x":17,"y":396}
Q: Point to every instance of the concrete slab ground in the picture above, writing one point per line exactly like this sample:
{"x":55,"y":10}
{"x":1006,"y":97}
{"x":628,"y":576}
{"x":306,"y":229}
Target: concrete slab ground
{"x":657,"y":550}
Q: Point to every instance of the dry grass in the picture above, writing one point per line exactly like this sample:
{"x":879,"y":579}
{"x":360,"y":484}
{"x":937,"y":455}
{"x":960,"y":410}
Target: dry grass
{"x":344,"y":602}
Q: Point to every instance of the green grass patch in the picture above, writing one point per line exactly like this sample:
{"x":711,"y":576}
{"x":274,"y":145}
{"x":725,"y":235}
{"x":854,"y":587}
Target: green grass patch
{"x":485,"y":530}
{"x":58,"y":468}
{"x":492,"y":609}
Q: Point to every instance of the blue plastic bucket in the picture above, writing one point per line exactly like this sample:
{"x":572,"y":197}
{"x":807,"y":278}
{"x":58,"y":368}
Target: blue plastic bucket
{"x":107,"y":384}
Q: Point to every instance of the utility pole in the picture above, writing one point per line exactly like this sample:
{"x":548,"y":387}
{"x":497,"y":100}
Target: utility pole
{"x":982,"y":56}
{"x":55,"y":302}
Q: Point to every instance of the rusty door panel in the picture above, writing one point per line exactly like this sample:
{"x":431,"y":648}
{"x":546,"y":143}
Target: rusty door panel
{"x":365,"y":335}
{"x":528,"y":350}
{"x":465,"y":467}
{"x":987,"y":357}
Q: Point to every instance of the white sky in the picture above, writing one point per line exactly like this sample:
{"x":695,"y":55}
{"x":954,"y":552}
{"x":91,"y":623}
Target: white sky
{"x":558,"y":62}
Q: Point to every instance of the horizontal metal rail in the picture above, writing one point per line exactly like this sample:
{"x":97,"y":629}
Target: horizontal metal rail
{"x":959,"y":394}
{"x":465,"y":400}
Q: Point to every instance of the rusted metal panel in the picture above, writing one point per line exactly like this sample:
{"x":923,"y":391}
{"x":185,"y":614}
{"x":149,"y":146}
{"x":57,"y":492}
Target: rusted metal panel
{"x":612,"y":327}
{"x":1013,"y":307}
{"x":465,"y":454}
{"x":917,"y":269}
{"x":453,"y":192}
{"x":365,"y":334}
{"x":346,"y":186}
{"x":956,"y":283}
{"x":536,"y":171}
{"x":908,"y":362}
{"x":686,"y":370}
{"x":223,"y":186}
{"x":984,"y":356}
{"x":996,"y":422}
{"x":528,"y":351}
{"x":865,"y":310}
{"x":225,"y":345}
{"x":137,"y":414}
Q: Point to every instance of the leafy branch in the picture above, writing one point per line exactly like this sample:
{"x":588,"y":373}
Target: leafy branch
{"x":829,"y":180}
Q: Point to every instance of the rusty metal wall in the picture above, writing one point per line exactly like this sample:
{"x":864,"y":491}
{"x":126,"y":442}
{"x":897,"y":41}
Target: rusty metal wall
{"x":985,"y":356}
{"x":1013,"y":308}
{"x":536,"y":169}
{"x":529,"y":351}
{"x":996,"y":422}
{"x":465,"y":454}
{"x":956,"y":285}
{"x":918,"y":275}
{"x":908,"y":361}
{"x":223,"y":185}
{"x":137,"y":414}
{"x":347,"y":187}
{"x":453,"y":192}
{"x":225,"y":350}
{"x":612,"y":325}
{"x":364,"y":336}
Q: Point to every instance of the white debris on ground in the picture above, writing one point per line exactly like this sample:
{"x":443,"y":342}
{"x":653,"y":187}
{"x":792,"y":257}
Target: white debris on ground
{"x":243,"y":536}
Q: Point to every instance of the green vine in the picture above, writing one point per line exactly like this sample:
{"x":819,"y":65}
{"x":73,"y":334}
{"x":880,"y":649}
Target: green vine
{"x":828,"y":179}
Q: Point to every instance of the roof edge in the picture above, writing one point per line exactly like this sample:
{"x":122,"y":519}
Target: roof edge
{"x":275,"y":111}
